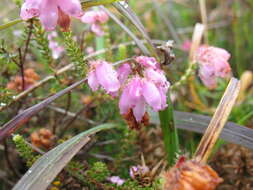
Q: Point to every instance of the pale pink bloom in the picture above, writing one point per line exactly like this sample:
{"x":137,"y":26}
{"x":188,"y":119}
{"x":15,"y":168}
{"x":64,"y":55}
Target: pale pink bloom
{"x":123,"y":72}
{"x":95,"y":18}
{"x":186,"y":46}
{"x":147,"y":62}
{"x":136,"y":94}
{"x":138,"y":170}
{"x":103,"y":74}
{"x":51,"y":11}
{"x":56,"y":49}
{"x":213,"y":62}
{"x":89,"y":50}
{"x":116,"y":180}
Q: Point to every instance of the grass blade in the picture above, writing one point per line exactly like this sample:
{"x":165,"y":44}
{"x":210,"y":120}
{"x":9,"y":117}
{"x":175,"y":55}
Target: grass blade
{"x":125,"y":9}
{"x":138,"y":42}
{"x":46,"y":168}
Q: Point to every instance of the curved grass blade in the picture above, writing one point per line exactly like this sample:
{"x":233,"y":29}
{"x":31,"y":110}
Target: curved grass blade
{"x":46,"y":168}
{"x":9,"y":24}
{"x":138,"y":42}
{"x":91,"y":3}
{"x":24,"y":116}
{"x":125,"y":10}
{"x":232,"y":132}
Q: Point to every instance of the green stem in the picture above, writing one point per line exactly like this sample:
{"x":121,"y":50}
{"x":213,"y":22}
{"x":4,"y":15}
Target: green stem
{"x":170,"y":135}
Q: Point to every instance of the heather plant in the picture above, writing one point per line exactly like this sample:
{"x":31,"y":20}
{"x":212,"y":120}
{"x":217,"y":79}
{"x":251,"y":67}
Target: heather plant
{"x":111,"y":94}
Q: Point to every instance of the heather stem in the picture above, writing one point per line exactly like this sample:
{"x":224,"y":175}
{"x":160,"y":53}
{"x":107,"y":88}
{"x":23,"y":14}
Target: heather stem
{"x":170,"y":134}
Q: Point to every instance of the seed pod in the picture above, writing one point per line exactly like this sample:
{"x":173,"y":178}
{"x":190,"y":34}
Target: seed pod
{"x":46,"y":133}
{"x":191,"y":175}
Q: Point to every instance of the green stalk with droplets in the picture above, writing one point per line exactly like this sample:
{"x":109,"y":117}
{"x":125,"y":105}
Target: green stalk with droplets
{"x":169,"y":131}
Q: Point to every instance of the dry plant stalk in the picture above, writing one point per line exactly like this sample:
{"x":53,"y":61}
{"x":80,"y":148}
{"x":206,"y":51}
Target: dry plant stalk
{"x":195,"y":174}
{"x":196,"y":39}
{"x":218,"y":121}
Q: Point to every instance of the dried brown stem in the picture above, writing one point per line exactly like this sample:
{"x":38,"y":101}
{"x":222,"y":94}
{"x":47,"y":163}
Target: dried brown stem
{"x":218,"y":121}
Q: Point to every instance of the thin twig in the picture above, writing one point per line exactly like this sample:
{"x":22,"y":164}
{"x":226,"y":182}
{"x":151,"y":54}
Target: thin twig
{"x":28,"y":41}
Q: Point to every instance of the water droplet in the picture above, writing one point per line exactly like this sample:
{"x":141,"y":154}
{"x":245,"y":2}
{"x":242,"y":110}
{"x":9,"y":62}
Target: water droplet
{"x":124,"y":3}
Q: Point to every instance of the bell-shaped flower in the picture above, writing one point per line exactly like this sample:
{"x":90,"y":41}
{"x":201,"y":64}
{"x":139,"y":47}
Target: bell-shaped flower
{"x":103,"y":74}
{"x":213,"y":63}
{"x":95,"y":18}
{"x":139,"y":92}
{"x":51,"y":12}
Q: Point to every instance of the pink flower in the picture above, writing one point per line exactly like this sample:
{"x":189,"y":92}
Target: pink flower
{"x":116,"y":180}
{"x":102,"y":73}
{"x":137,"y":93}
{"x":186,"y":46}
{"x":123,"y":72}
{"x":95,"y":18}
{"x":139,"y":170}
{"x":213,"y":63}
{"x":89,"y":50}
{"x":51,"y":11}
{"x":147,"y":62}
{"x":56,"y":49}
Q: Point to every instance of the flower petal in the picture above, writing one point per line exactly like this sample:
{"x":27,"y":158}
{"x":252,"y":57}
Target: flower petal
{"x":89,"y":17}
{"x":107,"y":77}
{"x":139,"y":110}
{"x":71,"y":7}
{"x":152,"y":95}
{"x":49,"y":14}
{"x":92,"y":80}
{"x":125,"y":102}
{"x":123,"y":71}
{"x":96,"y":28}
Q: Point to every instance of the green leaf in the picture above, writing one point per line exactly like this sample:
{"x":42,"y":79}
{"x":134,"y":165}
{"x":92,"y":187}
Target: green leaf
{"x":46,"y":168}
{"x":91,"y":3}
{"x":9,"y":24}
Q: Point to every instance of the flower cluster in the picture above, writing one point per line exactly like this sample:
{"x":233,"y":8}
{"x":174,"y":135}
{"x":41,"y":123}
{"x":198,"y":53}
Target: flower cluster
{"x":56,"y":49}
{"x":213,"y":63}
{"x":51,"y":12}
{"x":95,"y":19}
{"x":141,"y":83}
